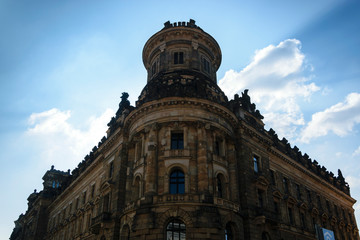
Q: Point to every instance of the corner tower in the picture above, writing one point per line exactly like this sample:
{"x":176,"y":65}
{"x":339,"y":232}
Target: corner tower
{"x":181,"y":60}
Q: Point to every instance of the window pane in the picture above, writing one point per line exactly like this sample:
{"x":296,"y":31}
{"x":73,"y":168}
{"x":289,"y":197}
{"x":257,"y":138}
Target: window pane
{"x":177,"y":141}
{"x":182,"y":236}
{"x":256,"y":164}
{"x":173,"y":189}
{"x":177,"y":182}
{"x":176,"y":230}
{"x":181,"y":189}
{"x":228,"y":232}
{"x":181,"y":57}
{"x":176,"y":57}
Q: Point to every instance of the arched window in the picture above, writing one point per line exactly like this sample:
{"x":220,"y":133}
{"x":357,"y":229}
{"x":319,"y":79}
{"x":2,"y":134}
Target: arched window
{"x":137,"y":188}
{"x":219,"y":186}
{"x":265,"y":236}
{"x":125,"y":233}
{"x":176,"y":230}
{"x":177,"y":182}
{"x":228,"y":232}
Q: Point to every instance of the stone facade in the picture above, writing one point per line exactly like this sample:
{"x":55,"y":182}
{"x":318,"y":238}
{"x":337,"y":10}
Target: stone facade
{"x":187,"y":163}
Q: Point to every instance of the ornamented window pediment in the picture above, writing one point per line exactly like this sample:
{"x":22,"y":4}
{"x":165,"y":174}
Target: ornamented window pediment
{"x":324,"y":217}
{"x":106,"y":187}
{"x":89,"y":205}
{"x":341,"y":224}
{"x":79,"y":212}
{"x":349,"y":227}
{"x":72,"y":217}
{"x":277,"y":195}
{"x":314,"y":212}
{"x":333,"y":220}
{"x":262,"y":183}
{"x":290,"y":200}
{"x":303,"y":206}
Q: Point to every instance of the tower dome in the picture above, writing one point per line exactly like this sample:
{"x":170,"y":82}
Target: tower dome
{"x":181,"y":46}
{"x":181,"y":60}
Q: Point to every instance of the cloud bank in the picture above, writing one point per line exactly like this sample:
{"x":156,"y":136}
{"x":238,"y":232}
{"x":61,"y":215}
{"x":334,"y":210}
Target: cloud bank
{"x":62,"y":143}
{"x":339,"y":119}
{"x":277,"y":78}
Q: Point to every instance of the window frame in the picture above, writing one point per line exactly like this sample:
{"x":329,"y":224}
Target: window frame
{"x":229,"y":232}
{"x":176,"y":232}
{"x":256,"y":163}
{"x":286,"y":185}
{"x":178,"y":57}
{"x":205,"y":64}
{"x":291,"y":216}
{"x":177,"y":181}
{"x":177,"y":140}
{"x":111,"y":169}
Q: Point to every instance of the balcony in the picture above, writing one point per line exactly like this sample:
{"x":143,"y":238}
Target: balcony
{"x":99,"y":221}
{"x":265,"y":215}
{"x":176,"y":153}
{"x":185,"y":198}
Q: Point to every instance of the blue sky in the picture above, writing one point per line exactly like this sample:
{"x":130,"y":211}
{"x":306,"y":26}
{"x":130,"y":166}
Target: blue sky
{"x":64,"y":65}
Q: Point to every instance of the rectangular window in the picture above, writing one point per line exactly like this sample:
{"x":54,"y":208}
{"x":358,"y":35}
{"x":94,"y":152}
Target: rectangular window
{"x":177,"y":140}
{"x":153,"y":69}
{"x":261,"y":198}
{"x":111,"y":169}
{"x":286,"y":185}
{"x":178,"y":58}
{"x":138,"y":150}
{"x":350,"y":218}
{"x":218,"y":147}
{"x":319,"y":202}
{"x":256,"y":164}
{"x":298,"y":192}
{"x":206,"y":65}
{"x":336,"y":211}
{"x":308,"y":195}
{"x":328,"y":206}
{"x":302,"y":218}
{"x":276,"y":208}
{"x":84,"y":197}
{"x":272,"y":177}
{"x":106,"y":200}
{"x":92,"y":191}
{"x":291,"y":216}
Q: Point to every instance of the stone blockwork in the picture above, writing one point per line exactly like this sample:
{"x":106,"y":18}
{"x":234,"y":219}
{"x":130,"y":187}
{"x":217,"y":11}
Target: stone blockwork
{"x":187,"y":163}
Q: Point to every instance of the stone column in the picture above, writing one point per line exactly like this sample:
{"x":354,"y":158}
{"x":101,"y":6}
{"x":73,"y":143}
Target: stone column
{"x":151,"y":161}
{"x":203,"y":180}
{"x":233,"y":180}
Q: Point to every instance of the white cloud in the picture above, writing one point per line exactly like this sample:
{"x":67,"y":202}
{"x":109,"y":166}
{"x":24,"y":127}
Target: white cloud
{"x":354,"y":181}
{"x":60,"y":142}
{"x":339,"y":119}
{"x":357,"y":152}
{"x":276,"y":77}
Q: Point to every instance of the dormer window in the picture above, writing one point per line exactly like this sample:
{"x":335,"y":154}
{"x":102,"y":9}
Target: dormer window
{"x":178,"y":57}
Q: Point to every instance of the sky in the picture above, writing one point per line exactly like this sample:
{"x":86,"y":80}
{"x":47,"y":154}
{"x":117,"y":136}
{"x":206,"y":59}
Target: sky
{"x":64,"y":65}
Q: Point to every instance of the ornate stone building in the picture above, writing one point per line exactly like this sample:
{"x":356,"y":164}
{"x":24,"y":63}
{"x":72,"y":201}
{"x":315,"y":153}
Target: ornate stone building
{"x":187,"y":163}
